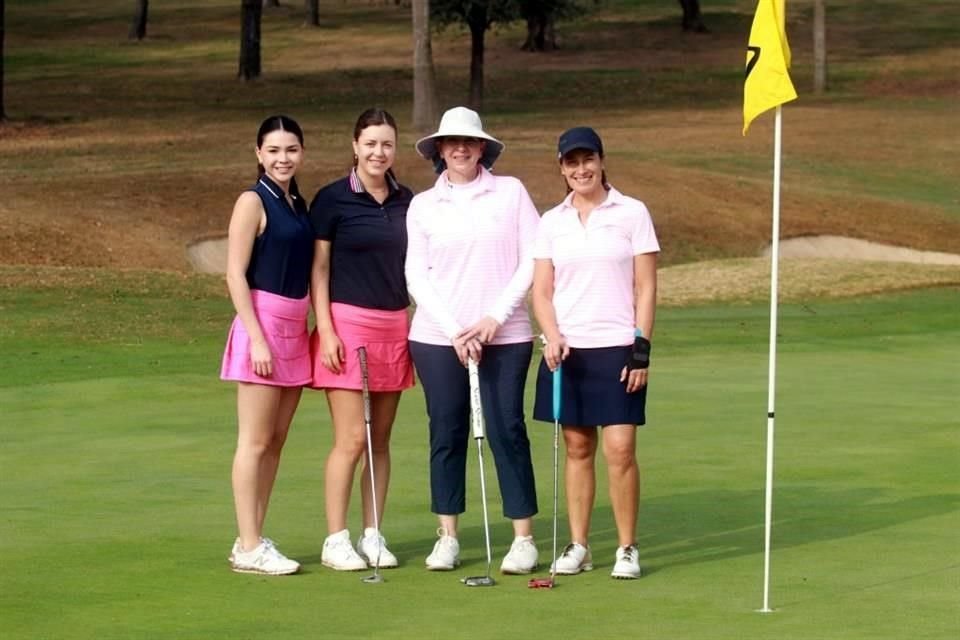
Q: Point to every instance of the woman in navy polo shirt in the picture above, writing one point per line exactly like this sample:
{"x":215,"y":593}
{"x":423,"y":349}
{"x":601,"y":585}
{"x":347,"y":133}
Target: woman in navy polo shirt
{"x":360,"y":300}
{"x":269,"y":252}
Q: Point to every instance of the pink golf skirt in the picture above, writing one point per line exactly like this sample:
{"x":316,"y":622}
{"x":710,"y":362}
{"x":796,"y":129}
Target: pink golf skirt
{"x":383,"y":333}
{"x":283,"y":322}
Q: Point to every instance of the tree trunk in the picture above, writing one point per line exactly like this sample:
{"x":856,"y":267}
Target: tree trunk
{"x":312,"y":8}
{"x":550,"y":35}
{"x":3,"y":112}
{"x":541,"y":35}
{"x":819,"y":47}
{"x":250,"y":14}
{"x":534,"y":34}
{"x":425,"y":106}
{"x":477,"y":21}
{"x":691,"y":17}
{"x":138,"y":28}
{"x":271,"y":3}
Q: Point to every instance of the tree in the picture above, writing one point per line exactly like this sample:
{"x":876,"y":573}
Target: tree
{"x":250,"y":13}
{"x":271,"y":3}
{"x":691,"y":16}
{"x":425,"y":105}
{"x":312,"y":8}
{"x":138,"y":28}
{"x":540,"y":16}
{"x":478,"y":16}
{"x":3,"y":113}
{"x":819,"y":48}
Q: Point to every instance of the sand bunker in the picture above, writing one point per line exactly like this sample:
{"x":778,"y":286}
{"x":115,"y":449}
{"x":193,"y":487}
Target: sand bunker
{"x":209,"y":255}
{"x":841,"y":248}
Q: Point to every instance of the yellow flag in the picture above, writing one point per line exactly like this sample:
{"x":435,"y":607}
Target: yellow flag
{"x":768,"y":57}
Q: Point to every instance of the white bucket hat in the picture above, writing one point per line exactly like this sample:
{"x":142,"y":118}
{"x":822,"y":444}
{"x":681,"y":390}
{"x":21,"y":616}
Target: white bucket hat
{"x":464,"y":123}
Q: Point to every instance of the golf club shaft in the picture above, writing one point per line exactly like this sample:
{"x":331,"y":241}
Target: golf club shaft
{"x":362,"y":354}
{"x":476,"y":415}
{"x":557,"y":382}
{"x":483,"y":497}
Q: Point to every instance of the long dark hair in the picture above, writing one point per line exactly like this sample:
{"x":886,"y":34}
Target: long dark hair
{"x":277,"y":123}
{"x":373,"y":117}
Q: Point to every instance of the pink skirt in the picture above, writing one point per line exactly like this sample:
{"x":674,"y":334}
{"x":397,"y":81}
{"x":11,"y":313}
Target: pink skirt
{"x":383,"y":333}
{"x":283,"y":322}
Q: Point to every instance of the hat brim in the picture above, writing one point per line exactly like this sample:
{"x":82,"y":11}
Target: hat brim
{"x":427,"y":147}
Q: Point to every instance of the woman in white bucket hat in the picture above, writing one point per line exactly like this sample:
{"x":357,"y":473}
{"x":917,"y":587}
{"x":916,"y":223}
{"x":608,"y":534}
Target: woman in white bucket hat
{"x":469,"y":266}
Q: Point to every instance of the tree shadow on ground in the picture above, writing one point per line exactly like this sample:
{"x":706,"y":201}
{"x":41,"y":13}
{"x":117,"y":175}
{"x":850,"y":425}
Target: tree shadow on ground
{"x":704,"y":526}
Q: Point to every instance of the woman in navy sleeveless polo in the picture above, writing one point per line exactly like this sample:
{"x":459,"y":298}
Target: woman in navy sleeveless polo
{"x":270,"y":250}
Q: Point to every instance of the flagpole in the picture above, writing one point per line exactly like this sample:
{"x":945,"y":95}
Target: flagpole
{"x":772,"y":373}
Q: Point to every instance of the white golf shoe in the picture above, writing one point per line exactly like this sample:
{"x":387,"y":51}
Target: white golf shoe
{"x":627,"y":566}
{"x":339,"y":554}
{"x":265,"y":560}
{"x":446,"y":553}
{"x":573,"y":559}
{"x":373,"y":548}
{"x":237,"y":548}
{"x":522,"y":557}
{"x":233,"y":552}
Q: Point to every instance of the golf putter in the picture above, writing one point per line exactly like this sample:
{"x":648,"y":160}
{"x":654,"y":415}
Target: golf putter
{"x":551,"y":582}
{"x":476,"y":421}
{"x":376,"y":578}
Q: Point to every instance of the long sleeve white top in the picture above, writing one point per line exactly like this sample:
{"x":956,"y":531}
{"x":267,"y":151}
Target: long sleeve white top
{"x":470,"y":255}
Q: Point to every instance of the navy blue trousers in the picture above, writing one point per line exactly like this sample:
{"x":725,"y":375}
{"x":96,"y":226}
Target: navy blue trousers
{"x":503,"y":376}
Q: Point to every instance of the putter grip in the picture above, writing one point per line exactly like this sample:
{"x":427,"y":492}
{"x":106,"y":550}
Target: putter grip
{"x":476,"y":408}
{"x":557,"y":392}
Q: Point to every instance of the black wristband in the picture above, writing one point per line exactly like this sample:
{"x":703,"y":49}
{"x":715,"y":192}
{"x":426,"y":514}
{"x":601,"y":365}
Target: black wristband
{"x":640,"y":356}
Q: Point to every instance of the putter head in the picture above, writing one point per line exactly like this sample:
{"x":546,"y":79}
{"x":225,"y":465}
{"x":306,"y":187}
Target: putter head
{"x":540,"y":583}
{"x":374,"y":579}
{"x":478,"y":581}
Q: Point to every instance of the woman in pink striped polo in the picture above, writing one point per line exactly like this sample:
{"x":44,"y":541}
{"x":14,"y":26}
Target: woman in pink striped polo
{"x":469,"y":265}
{"x":594,"y":295}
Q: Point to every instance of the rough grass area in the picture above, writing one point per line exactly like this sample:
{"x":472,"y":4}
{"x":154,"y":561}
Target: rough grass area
{"x":738,"y":280}
{"x":117,"y":154}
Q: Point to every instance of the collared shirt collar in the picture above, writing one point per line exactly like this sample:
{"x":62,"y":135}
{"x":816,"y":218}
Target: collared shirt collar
{"x":275,"y":189}
{"x":356,"y":184}
{"x":484,"y":182}
{"x":613,"y":197}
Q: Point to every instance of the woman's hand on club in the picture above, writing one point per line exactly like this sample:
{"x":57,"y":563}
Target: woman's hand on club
{"x":555,"y":351}
{"x":332,"y":354}
{"x":467,"y":348}
{"x":483,"y":330}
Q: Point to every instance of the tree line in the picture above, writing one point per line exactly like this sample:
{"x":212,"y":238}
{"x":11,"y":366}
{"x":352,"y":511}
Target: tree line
{"x":477,"y":16}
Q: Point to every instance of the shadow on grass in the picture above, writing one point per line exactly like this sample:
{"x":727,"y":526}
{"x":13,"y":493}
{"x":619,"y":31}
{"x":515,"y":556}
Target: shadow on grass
{"x":703,"y":526}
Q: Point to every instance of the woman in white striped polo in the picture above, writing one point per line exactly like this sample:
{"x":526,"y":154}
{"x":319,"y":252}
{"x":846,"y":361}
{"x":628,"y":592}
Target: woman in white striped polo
{"x":594,"y":294}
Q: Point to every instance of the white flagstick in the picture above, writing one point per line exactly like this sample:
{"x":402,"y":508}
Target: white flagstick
{"x":772,"y":374}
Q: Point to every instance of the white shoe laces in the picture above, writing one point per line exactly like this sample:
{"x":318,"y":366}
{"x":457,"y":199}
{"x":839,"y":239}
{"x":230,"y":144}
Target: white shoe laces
{"x":630,"y":553}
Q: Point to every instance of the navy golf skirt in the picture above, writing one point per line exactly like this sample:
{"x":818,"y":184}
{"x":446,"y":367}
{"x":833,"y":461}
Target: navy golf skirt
{"x":591,"y":392}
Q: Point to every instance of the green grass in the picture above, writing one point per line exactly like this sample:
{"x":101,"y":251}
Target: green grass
{"x":117,"y":513}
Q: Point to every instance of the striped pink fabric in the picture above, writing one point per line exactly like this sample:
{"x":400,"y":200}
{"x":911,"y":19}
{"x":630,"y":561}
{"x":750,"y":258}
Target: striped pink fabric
{"x":593,"y":267}
{"x":470,"y":255}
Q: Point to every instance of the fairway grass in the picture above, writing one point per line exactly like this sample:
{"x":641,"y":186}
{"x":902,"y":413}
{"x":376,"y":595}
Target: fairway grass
{"x":117,"y":514}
